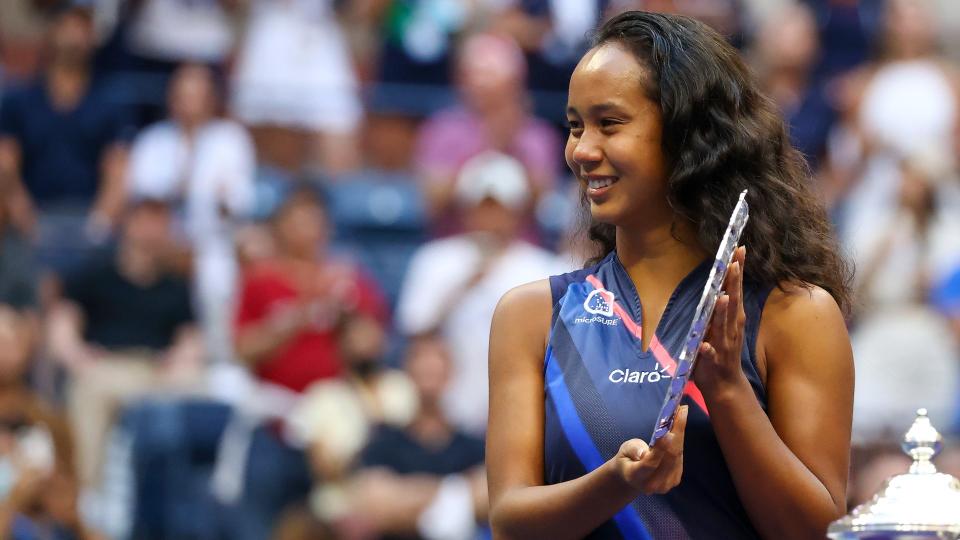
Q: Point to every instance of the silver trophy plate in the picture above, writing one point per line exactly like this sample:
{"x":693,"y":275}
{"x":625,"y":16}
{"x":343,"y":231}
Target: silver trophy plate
{"x":701,"y":319}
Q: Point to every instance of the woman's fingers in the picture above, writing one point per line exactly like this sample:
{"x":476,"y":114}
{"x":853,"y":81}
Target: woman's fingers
{"x":674,"y":439}
{"x":661,"y":468}
{"x":667,"y":457}
{"x":635,"y":449}
{"x":735,"y":302}
{"x":729,"y":316}
{"x":718,"y":322}
{"x":707,"y":352}
{"x":743,"y":262}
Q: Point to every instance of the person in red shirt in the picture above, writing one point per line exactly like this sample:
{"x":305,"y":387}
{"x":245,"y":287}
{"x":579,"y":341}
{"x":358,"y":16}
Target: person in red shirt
{"x":293,"y":304}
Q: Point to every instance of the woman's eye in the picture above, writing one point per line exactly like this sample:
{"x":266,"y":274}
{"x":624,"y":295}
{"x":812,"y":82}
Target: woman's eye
{"x":609,"y":122}
{"x":574,"y":126}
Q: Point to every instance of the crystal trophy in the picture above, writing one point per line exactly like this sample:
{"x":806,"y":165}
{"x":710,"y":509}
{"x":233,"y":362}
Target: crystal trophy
{"x":701,"y":319}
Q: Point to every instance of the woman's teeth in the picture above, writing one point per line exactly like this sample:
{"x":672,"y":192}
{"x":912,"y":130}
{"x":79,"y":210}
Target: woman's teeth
{"x":601,"y":183}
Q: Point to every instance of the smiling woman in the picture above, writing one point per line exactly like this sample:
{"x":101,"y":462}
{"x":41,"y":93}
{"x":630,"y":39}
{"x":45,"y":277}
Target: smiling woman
{"x":615,"y":132}
{"x":666,"y":129}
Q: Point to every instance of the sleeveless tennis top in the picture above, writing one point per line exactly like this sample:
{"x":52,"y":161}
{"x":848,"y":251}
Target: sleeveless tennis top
{"x":601,"y":389}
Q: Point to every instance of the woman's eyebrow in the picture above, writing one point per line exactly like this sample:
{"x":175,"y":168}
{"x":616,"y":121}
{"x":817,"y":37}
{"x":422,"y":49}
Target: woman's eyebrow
{"x":598,"y":109}
{"x":604,"y":107}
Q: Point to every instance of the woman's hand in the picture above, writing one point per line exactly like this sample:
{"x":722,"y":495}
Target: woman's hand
{"x":657,"y":469}
{"x":718,"y":362}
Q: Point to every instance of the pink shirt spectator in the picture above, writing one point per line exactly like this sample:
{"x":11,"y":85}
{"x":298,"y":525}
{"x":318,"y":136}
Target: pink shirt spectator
{"x":451,"y":137}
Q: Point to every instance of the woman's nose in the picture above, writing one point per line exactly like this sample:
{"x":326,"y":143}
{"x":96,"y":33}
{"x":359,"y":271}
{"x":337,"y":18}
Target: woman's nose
{"x":587,"y":150}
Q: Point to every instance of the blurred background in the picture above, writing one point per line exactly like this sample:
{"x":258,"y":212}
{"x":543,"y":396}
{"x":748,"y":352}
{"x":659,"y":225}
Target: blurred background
{"x":250,"y":249}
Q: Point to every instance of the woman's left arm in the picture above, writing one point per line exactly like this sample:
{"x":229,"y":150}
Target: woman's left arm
{"x":789,"y":464}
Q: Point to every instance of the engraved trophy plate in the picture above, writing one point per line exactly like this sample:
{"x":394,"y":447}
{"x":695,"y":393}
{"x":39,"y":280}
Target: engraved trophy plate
{"x":711,"y":292}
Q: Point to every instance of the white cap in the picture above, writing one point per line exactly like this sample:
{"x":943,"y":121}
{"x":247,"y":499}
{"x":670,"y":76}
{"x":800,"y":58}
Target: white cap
{"x":493,"y":175}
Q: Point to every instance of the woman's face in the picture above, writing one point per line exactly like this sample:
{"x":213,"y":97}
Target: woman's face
{"x":615,"y":134}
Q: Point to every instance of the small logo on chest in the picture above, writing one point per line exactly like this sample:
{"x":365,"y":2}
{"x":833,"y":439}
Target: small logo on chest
{"x":629,"y":376}
{"x":599,"y":302}
{"x":599,"y":306}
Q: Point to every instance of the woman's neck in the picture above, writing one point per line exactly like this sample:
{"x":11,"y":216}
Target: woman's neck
{"x":659,"y":251}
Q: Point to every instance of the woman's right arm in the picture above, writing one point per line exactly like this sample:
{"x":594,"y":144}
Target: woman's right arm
{"x":520,"y":505}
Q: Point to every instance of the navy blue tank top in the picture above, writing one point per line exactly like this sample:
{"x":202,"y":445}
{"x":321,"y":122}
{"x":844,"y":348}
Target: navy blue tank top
{"x":602,"y":389}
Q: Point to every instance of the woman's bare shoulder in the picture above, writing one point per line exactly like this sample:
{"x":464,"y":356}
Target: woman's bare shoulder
{"x":525,"y":311}
{"x":792,"y":303}
{"x":532,"y":295}
{"x":803,"y":324}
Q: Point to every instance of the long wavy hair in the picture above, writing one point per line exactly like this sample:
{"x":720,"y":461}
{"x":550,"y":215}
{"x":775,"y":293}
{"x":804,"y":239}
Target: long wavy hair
{"x":721,"y":135}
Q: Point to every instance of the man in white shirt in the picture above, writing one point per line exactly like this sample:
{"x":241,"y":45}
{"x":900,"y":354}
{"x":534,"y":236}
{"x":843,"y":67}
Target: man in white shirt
{"x":453,"y":284}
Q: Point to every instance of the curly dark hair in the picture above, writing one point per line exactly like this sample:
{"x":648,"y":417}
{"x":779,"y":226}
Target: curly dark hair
{"x":721,"y":135}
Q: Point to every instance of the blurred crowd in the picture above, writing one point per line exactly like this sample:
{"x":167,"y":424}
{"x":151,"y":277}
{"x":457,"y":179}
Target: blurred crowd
{"x":250,"y":249}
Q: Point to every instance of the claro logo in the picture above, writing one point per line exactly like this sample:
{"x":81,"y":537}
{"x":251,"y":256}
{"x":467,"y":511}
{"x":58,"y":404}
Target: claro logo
{"x":629,"y":376}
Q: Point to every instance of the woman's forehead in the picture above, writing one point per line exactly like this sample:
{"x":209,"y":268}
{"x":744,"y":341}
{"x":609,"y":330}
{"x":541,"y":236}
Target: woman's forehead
{"x":608,"y":70}
{"x":607,"y":56}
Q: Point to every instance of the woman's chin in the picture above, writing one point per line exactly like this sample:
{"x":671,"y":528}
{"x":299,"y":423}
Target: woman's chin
{"x":603,"y":213}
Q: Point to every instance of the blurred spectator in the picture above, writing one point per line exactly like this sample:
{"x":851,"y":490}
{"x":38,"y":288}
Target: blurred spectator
{"x":907,"y":251}
{"x":124,"y":330}
{"x":38,"y":490}
{"x":61,"y":147}
{"x":204,"y":469}
{"x":892,"y":175}
{"x":553,"y":36}
{"x":785,"y":55}
{"x":295,"y":86}
{"x":427,"y":442}
{"x":903,"y":104}
{"x":494,"y":115}
{"x":439,"y":466}
{"x":418,"y":475}
{"x":453,"y":284}
{"x":292,"y":305}
{"x":336,"y":416}
{"x":416,"y":45}
{"x":204,"y":166}
{"x":297,"y":308}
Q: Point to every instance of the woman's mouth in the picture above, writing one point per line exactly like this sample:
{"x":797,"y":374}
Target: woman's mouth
{"x":596,"y":187}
